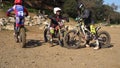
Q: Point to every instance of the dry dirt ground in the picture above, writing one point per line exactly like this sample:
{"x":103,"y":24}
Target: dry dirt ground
{"x":40,"y":55}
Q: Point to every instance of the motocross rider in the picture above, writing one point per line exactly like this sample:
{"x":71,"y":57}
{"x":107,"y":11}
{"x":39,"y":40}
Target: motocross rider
{"x":19,"y":15}
{"x":86,"y":15}
{"x":56,"y":21}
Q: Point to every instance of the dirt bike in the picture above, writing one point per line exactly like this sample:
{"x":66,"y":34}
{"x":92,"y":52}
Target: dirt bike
{"x":20,"y":34}
{"x":77,"y":37}
{"x":58,"y":34}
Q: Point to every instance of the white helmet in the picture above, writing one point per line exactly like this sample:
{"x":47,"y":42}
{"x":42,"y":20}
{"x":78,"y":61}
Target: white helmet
{"x":56,"y":9}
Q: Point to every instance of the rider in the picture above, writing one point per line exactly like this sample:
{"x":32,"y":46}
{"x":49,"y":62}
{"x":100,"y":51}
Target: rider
{"x":56,"y":21}
{"x":19,"y":11}
{"x":86,"y":15}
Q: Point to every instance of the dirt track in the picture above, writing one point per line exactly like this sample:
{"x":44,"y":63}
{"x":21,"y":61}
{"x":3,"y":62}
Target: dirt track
{"x":40,"y":55}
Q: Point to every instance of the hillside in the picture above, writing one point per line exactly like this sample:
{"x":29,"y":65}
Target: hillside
{"x":38,"y":4}
{"x":101,"y":12}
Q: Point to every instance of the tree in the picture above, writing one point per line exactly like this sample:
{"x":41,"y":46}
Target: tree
{"x":115,"y":7}
{"x":99,"y":10}
{"x":69,"y":7}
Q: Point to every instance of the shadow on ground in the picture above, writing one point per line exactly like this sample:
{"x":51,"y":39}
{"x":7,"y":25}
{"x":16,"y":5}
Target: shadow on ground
{"x":103,"y":46}
{"x":33,"y":43}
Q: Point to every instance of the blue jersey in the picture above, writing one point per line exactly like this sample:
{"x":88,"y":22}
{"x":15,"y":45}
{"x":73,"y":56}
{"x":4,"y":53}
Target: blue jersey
{"x":19,"y":14}
{"x":18,"y":10}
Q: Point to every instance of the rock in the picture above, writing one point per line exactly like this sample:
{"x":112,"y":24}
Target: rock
{"x":39,"y":19}
{"x":2,"y":20}
{"x":11,"y":19}
{"x":9,"y":27}
{"x":28,"y":21}
{"x":1,"y":23}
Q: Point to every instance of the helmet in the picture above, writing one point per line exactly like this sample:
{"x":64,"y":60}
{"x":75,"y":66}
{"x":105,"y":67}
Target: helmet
{"x":80,"y":6}
{"x":18,"y":2}
{"x":56,"y":9}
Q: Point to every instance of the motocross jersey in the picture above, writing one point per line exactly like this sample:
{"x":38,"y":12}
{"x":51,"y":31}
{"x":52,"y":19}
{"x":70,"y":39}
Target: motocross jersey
{"x":19,"y":14}
{"x":18,"y":10}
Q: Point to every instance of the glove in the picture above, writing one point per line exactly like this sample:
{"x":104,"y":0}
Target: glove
{"x":7,"y":14}
{"x":78,"y":18}
{"x":26,"y":15}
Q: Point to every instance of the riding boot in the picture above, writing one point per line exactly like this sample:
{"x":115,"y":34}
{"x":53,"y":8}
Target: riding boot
{"x":51,"y":40}
{"x":87,"y":43}
{"x":16,"y":35}
{"x":97,"y":45}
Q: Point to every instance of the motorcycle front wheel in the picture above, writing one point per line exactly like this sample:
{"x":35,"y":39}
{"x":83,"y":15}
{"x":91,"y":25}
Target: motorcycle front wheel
{"x":72,"y":39}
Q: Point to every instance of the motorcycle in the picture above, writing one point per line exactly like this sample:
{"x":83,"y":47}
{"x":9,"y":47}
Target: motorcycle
{"x":78,"y":37}
{"x":19,"y":34}
{"x":58,"y":34}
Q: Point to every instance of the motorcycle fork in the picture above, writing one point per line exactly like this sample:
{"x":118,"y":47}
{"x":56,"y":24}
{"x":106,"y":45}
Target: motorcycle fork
{"x":75,"y":34}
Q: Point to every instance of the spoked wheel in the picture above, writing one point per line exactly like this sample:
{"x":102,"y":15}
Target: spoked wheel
{"x":22,"y":35}
{"x":47,"y":37}
{"x":82,"y":39}
{"x":72,"y":39}
{"x":104,"y":39}
{"x":16,"y":34}
{"x":61,"y":36}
